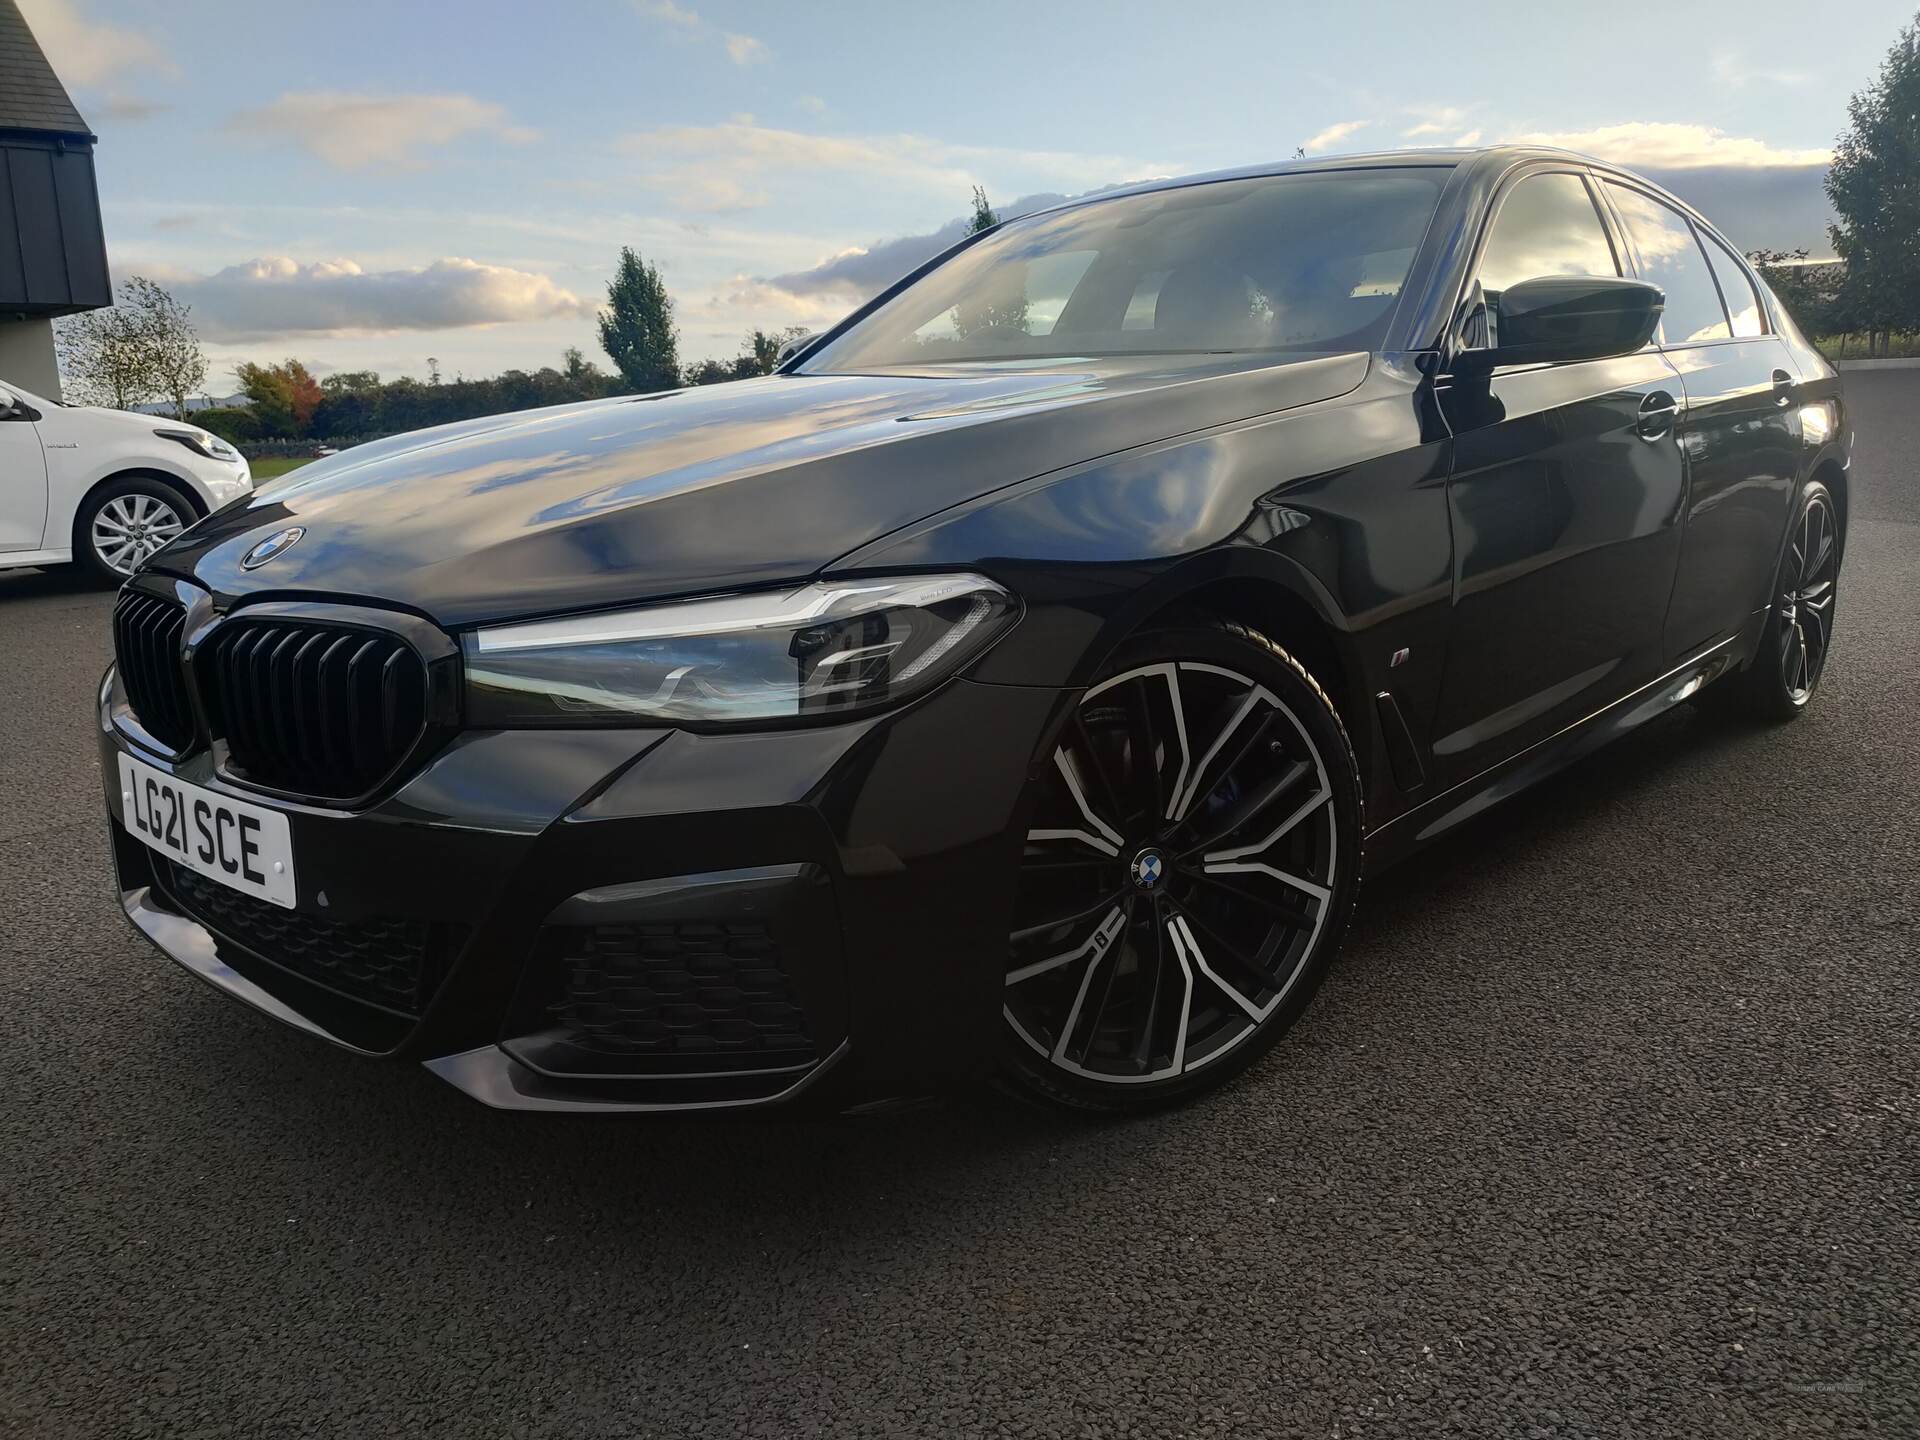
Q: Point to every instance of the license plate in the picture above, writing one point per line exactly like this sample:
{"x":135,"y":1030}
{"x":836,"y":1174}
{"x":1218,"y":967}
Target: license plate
{"x":246,"y":847}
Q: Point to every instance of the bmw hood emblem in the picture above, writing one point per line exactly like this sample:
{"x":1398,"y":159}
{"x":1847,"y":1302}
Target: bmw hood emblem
{"x":273,"y":545}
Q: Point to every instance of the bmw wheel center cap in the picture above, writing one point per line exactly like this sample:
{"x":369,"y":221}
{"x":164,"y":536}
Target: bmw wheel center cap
{"x":1148,"y":869}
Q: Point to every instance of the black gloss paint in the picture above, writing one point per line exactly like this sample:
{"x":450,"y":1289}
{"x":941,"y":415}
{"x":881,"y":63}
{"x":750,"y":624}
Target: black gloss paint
{"x":1509,"y":566}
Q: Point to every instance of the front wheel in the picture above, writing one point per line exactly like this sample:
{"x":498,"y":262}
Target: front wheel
{"x":121,"y":524}
{"x":1192,"y":857}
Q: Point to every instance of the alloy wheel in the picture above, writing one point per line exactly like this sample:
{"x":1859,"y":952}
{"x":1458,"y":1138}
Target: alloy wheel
{"x":1808,"y":579}
{"x":1179,"y":872}
{"x":128,"y":528}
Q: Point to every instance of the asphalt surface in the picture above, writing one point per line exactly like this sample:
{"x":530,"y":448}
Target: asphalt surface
{"x":1603,"y":1125}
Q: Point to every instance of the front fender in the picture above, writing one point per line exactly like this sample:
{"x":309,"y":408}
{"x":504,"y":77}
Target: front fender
{"x":1342,"y":505}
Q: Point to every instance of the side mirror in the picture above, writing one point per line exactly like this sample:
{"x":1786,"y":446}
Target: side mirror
{"x":9,"y":407}
{"x":1565,"y":317}
{"x":793,"y":347}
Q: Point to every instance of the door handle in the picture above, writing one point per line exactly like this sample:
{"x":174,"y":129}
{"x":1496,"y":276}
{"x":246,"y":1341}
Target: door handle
{"x":1782,"y":389}
{"x":1657,"y":411}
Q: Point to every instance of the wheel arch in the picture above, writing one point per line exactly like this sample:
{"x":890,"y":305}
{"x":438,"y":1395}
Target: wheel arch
{"x":195,"y":500}
{"x":1283,"y":601}
{"x":83,"y":506}
{"x":1832,"y":474}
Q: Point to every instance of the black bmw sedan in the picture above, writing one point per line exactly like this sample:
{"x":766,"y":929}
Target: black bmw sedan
{"x":1018,"y":684}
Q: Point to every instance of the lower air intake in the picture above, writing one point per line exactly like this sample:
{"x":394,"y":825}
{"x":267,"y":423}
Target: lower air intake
{"x":678,"y":990}
{"x":393,"y":964}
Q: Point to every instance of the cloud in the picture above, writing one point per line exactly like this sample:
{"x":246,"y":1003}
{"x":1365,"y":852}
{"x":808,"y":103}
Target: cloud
{"x":1436,"y":122}
{"x":1472,"y":137}
{"x":732,"y":165}
{"x":745,"y":50}
{"x":1778,"y":207}
{"x":275,"y":296}
{"x":129,"y":108}
{"x":744,"y":302}
{"x":670,"y":13}
{"x":87,"y":52}
{"x":1670,"y":146}
{"x":812,"y":104}
{"x":859,"y":272}
{"x":1332,"y":136}
{"x":741,"y":49}
{"x":355,"y":131}
{"x":1733,"y":71}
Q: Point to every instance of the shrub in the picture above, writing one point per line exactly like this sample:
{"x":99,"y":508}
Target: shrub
{"x":233,"y":423}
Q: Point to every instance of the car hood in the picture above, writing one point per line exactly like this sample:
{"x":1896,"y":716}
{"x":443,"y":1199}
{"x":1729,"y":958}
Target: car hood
{"x":691,"y":491}
{"x":97,"y":421}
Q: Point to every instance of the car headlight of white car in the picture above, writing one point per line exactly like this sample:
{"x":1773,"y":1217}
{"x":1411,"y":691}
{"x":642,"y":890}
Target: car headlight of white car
{"x":212,"y":447}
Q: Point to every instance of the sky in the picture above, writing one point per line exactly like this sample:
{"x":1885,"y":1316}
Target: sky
{"x":365,"y":186}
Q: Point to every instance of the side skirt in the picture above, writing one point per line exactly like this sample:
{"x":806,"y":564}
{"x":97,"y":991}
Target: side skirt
{"x":19,"y":559}
{"x":1427,"y":822}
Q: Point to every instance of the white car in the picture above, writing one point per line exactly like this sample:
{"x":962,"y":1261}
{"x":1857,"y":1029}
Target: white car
{"x":103,"y":488}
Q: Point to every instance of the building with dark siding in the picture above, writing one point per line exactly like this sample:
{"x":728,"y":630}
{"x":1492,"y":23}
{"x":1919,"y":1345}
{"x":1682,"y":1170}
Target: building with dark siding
{"x":53,"y":253}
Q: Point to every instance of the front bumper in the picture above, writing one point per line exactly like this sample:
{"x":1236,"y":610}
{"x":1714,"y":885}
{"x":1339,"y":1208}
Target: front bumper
{"x":638,"y":920}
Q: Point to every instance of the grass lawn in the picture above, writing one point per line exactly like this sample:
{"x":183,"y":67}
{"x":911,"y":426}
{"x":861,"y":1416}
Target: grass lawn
{"x":273,"y":469}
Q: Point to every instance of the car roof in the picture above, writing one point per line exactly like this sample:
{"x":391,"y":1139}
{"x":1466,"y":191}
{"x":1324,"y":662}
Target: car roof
{"x":1488,"y":157}
{"x":1486,"y":162}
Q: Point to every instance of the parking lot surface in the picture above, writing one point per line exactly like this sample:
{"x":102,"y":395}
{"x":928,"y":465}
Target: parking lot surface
{"x":1605,"y":1124}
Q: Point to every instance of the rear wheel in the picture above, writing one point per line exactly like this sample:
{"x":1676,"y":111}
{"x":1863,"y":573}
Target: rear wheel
{"x":1191,"y":861}
{"x":123,"y":523}
{"x":1792,"y":655}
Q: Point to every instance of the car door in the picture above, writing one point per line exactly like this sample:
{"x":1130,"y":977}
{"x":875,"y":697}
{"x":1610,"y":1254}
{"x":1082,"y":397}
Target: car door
{"x":1566,"y":498}
{"x":1737,"y":427}
{"x":23,"y":476}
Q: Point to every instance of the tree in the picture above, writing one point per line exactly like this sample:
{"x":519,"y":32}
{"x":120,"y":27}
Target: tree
{"x":636,"y":328}
{"x":764,"y":350}
{"x":983,"y":216}
{"x":102,"y":359}
{"x":1810,"y":289}
{"x":349,"y":405}
{"x":708,"y":372}
{"x":1874,"y":184}
{"x":578,"y":377}
{"x":350,"y":382}
{"x":173,"y":350}
{"x":141,"y":349}
{"x":284,"y":396}
{"x":761,"y":355}
{"x":1003,"y":310}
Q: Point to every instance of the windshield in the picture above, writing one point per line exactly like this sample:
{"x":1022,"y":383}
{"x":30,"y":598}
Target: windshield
{"x":1284,"y":262}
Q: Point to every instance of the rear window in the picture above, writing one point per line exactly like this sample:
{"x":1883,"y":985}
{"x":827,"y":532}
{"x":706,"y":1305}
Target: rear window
{"x":1284,"y":262}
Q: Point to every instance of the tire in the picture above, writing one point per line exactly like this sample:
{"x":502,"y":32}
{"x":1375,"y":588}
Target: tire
{"x":1174,"y":918}
{"x":140,"y":511}
{"x":1784,"y":673}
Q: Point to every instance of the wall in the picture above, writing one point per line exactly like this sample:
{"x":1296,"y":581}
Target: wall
{"x":26,"y":356}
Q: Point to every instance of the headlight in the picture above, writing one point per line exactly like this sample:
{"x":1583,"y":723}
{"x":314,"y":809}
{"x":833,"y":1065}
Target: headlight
{"x":201,"y":443}
{"x":821,"y":650}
